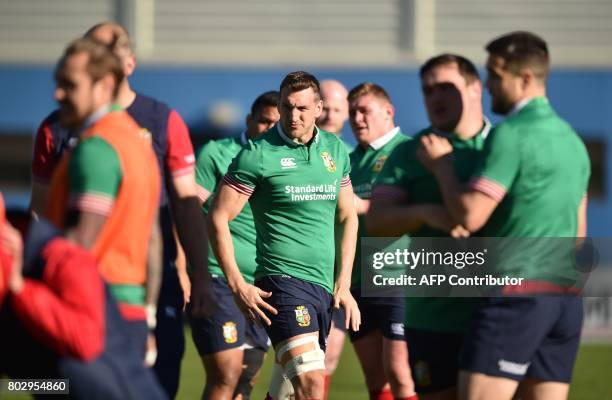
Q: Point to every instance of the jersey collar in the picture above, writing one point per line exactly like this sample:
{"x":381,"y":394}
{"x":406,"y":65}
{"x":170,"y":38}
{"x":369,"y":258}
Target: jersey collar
{"x":384,"y":139}
{"x":96,"y":115}
{"x":295,"y":142}
{"x":523,"y":103}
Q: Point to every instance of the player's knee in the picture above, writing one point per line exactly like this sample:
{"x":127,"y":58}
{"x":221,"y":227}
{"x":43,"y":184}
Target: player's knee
{"x":303,"y":363}
{"x":253,"y":359}
{"x":280,"y":387}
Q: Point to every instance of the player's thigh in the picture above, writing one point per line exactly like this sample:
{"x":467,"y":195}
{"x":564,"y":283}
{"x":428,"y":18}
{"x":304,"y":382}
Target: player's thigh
{"x":535,"y":389}
{"x":369,"y":350}
{"x":223,"y":366}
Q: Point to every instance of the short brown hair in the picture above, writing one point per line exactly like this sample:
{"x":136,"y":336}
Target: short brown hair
{"x":466,"y":68}
{"x":301,"y":80}
{"x":120,"y":41}
{"x":521,"y":50}
{"x":368,"y":88}
{"x":101,"y":61}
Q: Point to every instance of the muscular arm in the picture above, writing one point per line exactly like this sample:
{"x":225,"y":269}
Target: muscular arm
{"x":154,"y":265}
{"x":346,"y":241}
{"x":190,"y":225}
{"x":468,"y":207}
{"x":87,"y":229}
{"x":225,"y":207}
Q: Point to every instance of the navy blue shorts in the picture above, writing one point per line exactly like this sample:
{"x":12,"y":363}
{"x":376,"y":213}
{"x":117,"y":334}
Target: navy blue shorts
{"x":338,"y":318}
{"x":385,"y":314}
{"x":227,"y":328}
{"x":519,"y":337}
{"x":434,"y":359}
{"x":303,"y":307}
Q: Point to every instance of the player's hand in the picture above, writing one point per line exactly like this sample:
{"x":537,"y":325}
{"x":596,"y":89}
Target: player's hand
{"x":202,"y":300}
{"x":12,"y":244}
{"x":250,"y":300}
{"x":344,"y":298}
{"x":150,"y":351}
{"x":436,"y":216}
{"x":433,"y":151}
{"x":185,"y":285}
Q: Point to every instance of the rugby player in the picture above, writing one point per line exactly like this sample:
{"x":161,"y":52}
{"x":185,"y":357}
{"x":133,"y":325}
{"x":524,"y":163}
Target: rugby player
{"x":105,"y":193}
{"x":175,"y":157}
{"x":332,"y":119}
{"x":531,"y":183}
{"x":379,"y":343}
{"x":407,"y":199}
{"x":232,"y":348}
{"x":296,"y":179}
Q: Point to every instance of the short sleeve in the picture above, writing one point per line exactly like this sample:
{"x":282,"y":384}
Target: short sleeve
{"x":179,"y":157}
{"x":95,"y":176}
{"x":246,"y":170}
{"x":346,"y":165}
{"x":43,"y":158}
{"x":207,"y":173}
{"x":499,"y":164}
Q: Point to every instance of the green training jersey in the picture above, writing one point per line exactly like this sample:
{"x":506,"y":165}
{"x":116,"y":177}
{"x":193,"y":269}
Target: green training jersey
{"x":406,"y":172}
{"x":293,"y":191}
{"x":366,"y":164}
{"x":212,"y":163}
{"x":94,"y":169}
{"x":538,"y":167}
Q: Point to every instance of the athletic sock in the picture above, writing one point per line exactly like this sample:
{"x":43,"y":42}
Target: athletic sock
{"x":384,"y":394}
{"x":326,"y":386}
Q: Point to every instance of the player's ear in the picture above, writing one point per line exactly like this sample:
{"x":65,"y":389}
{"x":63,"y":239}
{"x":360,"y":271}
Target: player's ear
{"x":129,"y":65}
{"x":248,"y":119}
{"x":318,"y":108}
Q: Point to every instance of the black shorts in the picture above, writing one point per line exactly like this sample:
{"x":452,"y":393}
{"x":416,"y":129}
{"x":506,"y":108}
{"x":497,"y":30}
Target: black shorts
{"x":517,"y":337}
{"x":227,"y":328}
{"x":434,"y":359}
{"x":386,"y":314}
{"x":303,"y":307}
{"x":338,"y":318}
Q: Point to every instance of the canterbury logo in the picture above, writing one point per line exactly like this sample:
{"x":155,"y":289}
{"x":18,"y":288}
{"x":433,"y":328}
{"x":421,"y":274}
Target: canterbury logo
{"x":288,"y":162}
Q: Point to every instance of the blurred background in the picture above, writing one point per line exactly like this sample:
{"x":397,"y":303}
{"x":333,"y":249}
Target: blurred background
{"x":209,"y":59}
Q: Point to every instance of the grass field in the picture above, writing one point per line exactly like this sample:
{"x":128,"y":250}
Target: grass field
{"x":592,"y":375}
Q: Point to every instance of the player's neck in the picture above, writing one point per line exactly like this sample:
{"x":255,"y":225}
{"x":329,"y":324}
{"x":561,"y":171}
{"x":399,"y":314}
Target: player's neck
{"x":125,"y":96}
{"x":307,"y":137}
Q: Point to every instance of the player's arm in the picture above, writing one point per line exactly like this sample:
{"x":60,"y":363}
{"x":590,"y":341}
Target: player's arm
{"x":582,"y":218}
{"x":189,"y":221}
{"x":154,"y":272}
{"x":66,"y":309}
{"x":181,"y":268}
{"x":95,"y":177}
{"x":346,"y":241}
{"x":225,"y":207}
{"x":472,"y":206}
{"x":391,"y":216}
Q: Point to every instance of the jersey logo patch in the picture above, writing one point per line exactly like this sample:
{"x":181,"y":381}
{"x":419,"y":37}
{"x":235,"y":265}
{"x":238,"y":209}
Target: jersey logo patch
{"x":288,"y":163}
{"x":378,"y":165}
{"x":329,"y":162}
{"x":230,"y":333}
{"x":145,"y":135}
{"x":302,"y":316}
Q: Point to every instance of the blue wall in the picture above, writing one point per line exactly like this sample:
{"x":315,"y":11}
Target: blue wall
{"x":583,"y":97}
